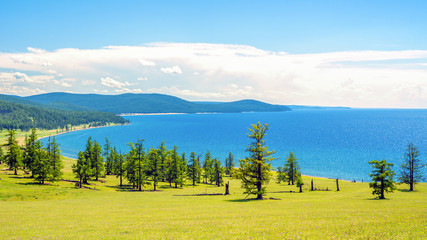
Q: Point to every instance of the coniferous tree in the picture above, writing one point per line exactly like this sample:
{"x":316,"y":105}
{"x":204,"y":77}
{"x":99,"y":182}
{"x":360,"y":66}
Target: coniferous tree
{"x":299,"y":183}
{"x":218,"y":176}
{"x":41,"y":164}
{"x":88,"y":158}
{"x":29,"y":151}
{"x":208,"y":171}
{"x":97,"y":161}
{"x":107,"y":156}
{"x":255,"y":170}
{"x":194,"y":169}
{"x":382,"y":178}
{"x":177,"y":168}
{"x":281,"y":175}
{"x":1,"y":155}
{"x":291,"y":169}
{"x":118,"y":164}
{"x":55,"y":161}
{"x":13,"y":154}
{"x":163,"y":153}
{"x":137,"y":164}
{"x":155,"y":162}
{"x":229,"y":164}
{"x":82,"y":168}
{"x":411,"y":167}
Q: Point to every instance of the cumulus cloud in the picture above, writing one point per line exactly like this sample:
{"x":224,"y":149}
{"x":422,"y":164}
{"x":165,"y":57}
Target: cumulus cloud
{"x":228,"y":72}
{"x":171,"y":70}
{"x":145,"y":62}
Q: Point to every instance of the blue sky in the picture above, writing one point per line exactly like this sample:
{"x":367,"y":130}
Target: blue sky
{"x":309,"y":52}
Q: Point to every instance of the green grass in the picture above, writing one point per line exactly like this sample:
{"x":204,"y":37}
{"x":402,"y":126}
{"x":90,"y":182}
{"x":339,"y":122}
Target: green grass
{"x":60,"y":210}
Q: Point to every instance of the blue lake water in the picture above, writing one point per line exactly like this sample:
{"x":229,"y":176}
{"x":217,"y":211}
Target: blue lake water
{"x":328,"y":143}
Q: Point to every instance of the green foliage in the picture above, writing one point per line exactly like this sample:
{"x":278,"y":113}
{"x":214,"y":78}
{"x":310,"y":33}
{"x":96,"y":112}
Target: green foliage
{"x":97,"y":161}
{"x":82,"y":168}
{"x":178,"y":168}
{"x":22,"y":116}
{"x":149,"y":103}
{"x":382,"y":178}
{"x":136,"y":164}
{"x":281,"y":175}
{"x":154,"y":164}
{"x":291,"y":169}
{"x":411,"y":167}
{"x":41,"y":167}
{"x":208,"y":170}
{"x":194,"y":169}
{"x":229,"y":164}
{"x":255,"y":170}
{"x":55,"y":161}
{"x":119,"y":165}
{"x":29,"y":150}
{"x":218,"y":172}
{"x":108,"y":159}
{"x":13,"y":156}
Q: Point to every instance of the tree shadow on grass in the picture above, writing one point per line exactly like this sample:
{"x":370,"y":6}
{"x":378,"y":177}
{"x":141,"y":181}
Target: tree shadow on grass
{"x":128,"y":188}
{"x":377,"y":199}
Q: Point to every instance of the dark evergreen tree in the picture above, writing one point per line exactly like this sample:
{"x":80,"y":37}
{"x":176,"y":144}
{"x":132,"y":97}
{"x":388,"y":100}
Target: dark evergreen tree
{"x":382,"y":178}
{"x":229,"y":164}
{"x":55,"y":161}
{"x":29,"y":151}
{"x":194,"y":169}
{"x":155,"y":162}
{"x":281,"y":175}
{"x":107,"y":156}
{"x":41,"y":164}
{"x":88,"y":158}
{"x":82,"y":168}
{"x":1,"y":155}
{"x":291,"y":169}
{"x":97,"y":161}
{"x":138,"y":163}
{"x":177,"y":168}
{"x":255,"y":170}
{"x":208,"y":170}
{"x":118,"y":164}
{"x":219,"y":172}
{"x":13,"y":156}
{"x":411,"y":167}
{"x":163,"y":153}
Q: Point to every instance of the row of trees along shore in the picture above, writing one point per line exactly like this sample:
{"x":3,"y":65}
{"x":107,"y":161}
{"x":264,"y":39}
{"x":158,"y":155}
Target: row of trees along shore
{"x":141,"y":167}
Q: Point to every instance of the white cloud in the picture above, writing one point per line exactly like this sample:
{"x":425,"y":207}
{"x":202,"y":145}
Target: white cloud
{"x":228,"y":72}
{"x":172,"y":70}
{"x":145,"y":62}
{"x":109,"y":82}
{"x":35,"y":50}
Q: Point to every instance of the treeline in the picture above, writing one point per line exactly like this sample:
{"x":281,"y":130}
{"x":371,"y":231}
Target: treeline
{"x":44,"y":163}
{"x":141,"y":167}
{"x":25,"y":117}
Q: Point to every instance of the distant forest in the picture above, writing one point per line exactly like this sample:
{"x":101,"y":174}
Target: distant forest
{"x":14,"y":115}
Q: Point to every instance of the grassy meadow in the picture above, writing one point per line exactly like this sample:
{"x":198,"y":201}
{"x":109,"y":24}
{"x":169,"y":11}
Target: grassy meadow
{"x":105,"y":211}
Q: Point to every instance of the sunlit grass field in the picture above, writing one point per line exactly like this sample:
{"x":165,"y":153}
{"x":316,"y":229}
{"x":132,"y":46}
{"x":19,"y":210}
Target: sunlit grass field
{"x":105,"y":211}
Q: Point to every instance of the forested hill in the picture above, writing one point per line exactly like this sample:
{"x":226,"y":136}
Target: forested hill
{"x":148,"y":103}
{"x":17,"y":113}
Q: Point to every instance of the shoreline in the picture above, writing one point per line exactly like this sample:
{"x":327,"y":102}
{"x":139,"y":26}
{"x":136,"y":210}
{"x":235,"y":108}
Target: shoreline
{"x":148,"y":114}
{"x":80,"y":129}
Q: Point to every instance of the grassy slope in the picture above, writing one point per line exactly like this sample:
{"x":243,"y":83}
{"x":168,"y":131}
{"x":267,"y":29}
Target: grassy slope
{"x":60,"y":210}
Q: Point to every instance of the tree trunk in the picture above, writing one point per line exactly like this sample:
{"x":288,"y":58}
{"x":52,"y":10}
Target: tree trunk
{"x":300,"y":188}
{"x":80,"y":185}
{"x":338,"y":186}
{"x":120,"y":180}
{"x":227,"y":188}
{"x":382,"y":189}
{"x":155,"y":187}
{"x":16,"y":173}
{"x":312,"y":185}
{"x":411,"y":186}
{"x":258,"y":184}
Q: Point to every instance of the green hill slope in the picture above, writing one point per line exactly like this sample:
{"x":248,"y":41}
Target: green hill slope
{"x":150,"y":103}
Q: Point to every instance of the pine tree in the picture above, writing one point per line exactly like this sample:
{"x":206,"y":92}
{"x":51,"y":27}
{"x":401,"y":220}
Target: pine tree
{"x":255,"y":170}
{"x":13,"y":156}
{"x":229,"y":164}
{"x":97,"y":162}
{"x":382,"y":178}
{"x":163,"y":153}
{"x":82,"y":168}
{"x":138,"y":163}
{"x":108,"y":160}
{"x":219,"y":171}
{"x":1,"y":155}
{"x":118,"y":164}
{"x":208,"y":171}
{"x":177,"y":168}
{"x":29,"y":151}
{"x":41,"y":164}
{"x":291,"y":169}
{"x":281,"y":175}
{"x":299,"y":183}
{"x":194,"y":169}
{"x":55,"y":161}
{"x":155,"y":162}
{"x":88,"y":158}
{"x":411,"y":167}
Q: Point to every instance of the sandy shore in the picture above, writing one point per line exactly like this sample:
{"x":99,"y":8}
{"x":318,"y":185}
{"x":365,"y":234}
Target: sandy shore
{"x":140,"y":114}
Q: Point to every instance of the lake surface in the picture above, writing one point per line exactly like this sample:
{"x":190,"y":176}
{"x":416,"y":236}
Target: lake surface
{"x":328,"y":143}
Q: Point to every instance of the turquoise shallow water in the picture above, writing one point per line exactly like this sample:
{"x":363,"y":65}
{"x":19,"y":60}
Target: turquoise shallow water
{"x":328,"y":143}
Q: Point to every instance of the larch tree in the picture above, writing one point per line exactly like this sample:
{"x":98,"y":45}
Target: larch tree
{"x":255,"y":170}
{"x":29,"y":151}
{"x":107,"y":156}
{"x":82,"y":168}
{"x":138,"y":155}
{"x":118,"y":164}
{"x":411,"y":167}
{"x":177,"y":168}
{"x":55,"y":161}
{"x":194,"y":169}
{"x":154,"y":162}
{"x":219,"y":172}
{"x":13,"y":156}
{"x":41,"y":166}
{"x":382,"y":178}
{"x":97,"y":161}
{"x":229,"y":164}
{"x":291,"y":169}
